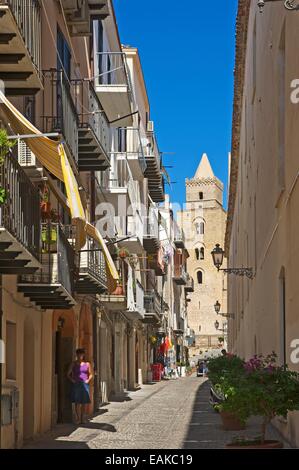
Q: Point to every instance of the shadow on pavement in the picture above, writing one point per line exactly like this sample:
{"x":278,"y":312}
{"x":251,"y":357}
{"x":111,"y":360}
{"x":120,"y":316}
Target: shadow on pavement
{"x":101,"y":426}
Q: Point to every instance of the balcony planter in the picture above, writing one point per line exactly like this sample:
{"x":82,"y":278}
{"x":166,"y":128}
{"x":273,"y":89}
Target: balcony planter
{"x":123,"y":253}
{"x":49,"y":236}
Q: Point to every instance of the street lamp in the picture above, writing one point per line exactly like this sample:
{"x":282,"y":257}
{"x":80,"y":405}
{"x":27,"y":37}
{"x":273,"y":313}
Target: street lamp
{"x":217,"y":308}
{"x":218,"y":255}
{"x":224,"y":330}
{"x":288,"y":4}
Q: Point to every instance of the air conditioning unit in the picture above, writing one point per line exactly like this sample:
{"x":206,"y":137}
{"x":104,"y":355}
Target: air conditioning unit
{"x":25,"y":156}
{"x":150,"y":126}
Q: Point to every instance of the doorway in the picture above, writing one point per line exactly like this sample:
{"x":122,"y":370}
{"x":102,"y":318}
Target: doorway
{"x":28,"y":380}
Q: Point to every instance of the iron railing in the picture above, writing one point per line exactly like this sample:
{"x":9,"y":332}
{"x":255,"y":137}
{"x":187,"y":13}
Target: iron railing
{"x":90,"y":259}
{"x":90,"y":112}
{"x":27,"y":14}
{"x":112,"y":69}
{"x":179,"y":272}
{"x":60,"y":114}
{"x":151,"y":225}
{"x":130,"y":145}
{"x":20,"y":214}
{"x":57,"y":259}
{"x":153,"y":302}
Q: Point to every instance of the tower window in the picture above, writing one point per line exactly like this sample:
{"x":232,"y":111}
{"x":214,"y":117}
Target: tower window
{"x":197,"y":253}
{"x":199,"y":277}
{"x":202,"y":253}
{"x":201,"y":195}
{"x":202,"y":228}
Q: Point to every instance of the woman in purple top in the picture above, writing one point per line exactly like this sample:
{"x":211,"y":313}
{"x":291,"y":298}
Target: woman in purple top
{"x":80,"y":375}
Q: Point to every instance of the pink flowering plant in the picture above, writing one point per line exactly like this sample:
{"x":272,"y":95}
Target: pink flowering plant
{"x":272,"y":389}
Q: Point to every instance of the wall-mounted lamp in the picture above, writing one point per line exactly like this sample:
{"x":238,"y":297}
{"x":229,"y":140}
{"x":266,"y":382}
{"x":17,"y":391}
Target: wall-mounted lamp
{"x":288,"y":4}
{"x":218,"y":256}
{"x":217,"y":308}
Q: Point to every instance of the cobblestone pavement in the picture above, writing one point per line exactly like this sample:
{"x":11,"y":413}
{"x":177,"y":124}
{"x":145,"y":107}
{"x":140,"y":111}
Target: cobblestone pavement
{"x":172,"y":414}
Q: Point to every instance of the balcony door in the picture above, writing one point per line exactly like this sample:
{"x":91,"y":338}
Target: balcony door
{"x":64,"y":58}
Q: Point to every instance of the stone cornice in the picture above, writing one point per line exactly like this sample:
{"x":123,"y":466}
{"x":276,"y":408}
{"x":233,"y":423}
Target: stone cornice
{"x":204,"y":181}
{"x":240,"y":62}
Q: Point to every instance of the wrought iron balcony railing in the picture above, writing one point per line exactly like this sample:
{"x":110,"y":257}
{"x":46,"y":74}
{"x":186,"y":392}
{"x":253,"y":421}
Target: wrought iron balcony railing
{"x":92,"y":276}
{"x":94,"y":129}
{"x":59,"y":110}
{"x":20,"y":213}
{"x":52,"y":286}
{"x":27,"y":14}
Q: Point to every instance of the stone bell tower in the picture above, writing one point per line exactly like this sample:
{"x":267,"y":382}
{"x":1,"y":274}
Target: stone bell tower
{"x":203,"y":221}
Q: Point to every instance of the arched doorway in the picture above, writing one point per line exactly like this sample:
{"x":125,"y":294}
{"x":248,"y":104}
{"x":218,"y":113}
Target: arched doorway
{"x":64,"y":347}
{"x":28,"y":379}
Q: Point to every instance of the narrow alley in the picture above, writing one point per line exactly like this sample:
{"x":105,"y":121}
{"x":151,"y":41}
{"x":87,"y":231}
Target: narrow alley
{"x":173,"y":414}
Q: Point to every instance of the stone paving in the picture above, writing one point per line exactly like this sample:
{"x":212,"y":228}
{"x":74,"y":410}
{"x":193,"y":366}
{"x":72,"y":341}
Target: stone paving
{"x":172,"y":414}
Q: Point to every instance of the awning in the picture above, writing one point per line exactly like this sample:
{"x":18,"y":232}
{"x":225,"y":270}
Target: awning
{"x":53,"y":157}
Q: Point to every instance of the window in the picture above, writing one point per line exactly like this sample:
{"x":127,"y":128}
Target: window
{"x":122,"y":140}
{"x":197,"y":253}
{"x":63,"y":55}
{"x":199,"y":277}
{"x":201,"y":195}
{"x":11,"y":351}
{"x":202,"y":228}
{"x":202,"y":253}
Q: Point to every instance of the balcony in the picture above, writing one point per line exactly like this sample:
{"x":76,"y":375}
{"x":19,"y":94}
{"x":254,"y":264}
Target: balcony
{"x":52,"y":286}
{"x":135,"y":297}
{"x":20,"y":46}
{"x":113,"y":86}
{"x":130,"y":147}
{"x":180,"y":276}
{"x":78,"y":14}
{"x":130,"y":227}
{"x":119,"y":183}
{"x":179,"y":237}
{"x":19,"y":221}
{"x":153,"y":171}
{"x":151,"y":237}
{"x":94,"y":130}
{"x":189,"y":287}
{"x":153,"y":307}
{"x":28,"y":161}
{"x":60,"y":114}
{"x":92,"y":277}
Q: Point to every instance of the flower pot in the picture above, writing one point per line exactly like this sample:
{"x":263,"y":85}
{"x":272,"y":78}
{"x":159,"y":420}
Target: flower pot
{"x":266,"y":445}
{"x":230,"y":422}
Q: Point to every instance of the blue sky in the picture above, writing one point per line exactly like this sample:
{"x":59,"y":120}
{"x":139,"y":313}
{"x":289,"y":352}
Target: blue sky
{"x":187,"y":54}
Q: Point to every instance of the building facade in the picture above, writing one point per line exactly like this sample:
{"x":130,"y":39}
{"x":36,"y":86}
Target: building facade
{"x":263,"y":201}
{"x":84,"y":260}
{"x":203,"y":221}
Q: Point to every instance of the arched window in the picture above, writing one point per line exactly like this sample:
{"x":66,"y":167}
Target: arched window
{"x":202,"y":228}
{"x":197,"y":228}
{"x":199,"y":277}
{"x":197,"y":253}
{"x":202,"y":253}
{"x":201,"y":195}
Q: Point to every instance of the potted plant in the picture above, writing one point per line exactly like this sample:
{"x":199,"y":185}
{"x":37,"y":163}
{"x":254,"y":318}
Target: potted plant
{"x":6,"y":145}
{"x":123,"y":253}
{"x":227,"y":374}
{"x":45,"y":204}
{"x":273,"y":390}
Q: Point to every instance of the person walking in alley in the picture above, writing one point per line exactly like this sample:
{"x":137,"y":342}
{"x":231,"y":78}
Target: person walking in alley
{"x":80,"y":375}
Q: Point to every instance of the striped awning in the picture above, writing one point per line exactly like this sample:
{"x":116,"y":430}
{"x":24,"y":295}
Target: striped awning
{"x":52,"y":156}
